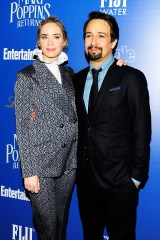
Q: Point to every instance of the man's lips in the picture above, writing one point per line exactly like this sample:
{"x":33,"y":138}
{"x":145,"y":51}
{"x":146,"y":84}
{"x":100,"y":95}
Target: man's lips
{"x":94,"y":49}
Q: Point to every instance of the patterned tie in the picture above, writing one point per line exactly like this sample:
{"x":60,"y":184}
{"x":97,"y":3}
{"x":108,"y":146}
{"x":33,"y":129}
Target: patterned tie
{"x":94,"y":91}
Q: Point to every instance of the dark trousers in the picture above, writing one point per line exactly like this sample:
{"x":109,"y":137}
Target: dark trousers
{"x":115,"y":211}
{"x":51,"y":206}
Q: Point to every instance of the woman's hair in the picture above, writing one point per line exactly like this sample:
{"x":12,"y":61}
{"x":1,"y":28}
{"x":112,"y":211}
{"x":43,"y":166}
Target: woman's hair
{"x":52,"y":19}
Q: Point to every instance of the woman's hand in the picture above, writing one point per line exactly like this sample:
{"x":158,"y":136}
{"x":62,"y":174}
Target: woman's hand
{"x":120,"y":62}
{"x":32,"y":184}
{"x":33,"y":115}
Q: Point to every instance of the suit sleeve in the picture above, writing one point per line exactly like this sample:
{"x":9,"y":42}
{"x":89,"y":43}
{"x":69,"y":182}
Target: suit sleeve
{"x":23,"y":107}
{"x":139,"y":107}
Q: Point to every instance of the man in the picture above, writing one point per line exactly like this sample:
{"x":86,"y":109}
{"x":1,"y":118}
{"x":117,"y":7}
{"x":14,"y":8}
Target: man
{"x":114,"y":135}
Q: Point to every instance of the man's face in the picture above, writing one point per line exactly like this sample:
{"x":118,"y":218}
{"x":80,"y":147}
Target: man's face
{"x":98,"y":45}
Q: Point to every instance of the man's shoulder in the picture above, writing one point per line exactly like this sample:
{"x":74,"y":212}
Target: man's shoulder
{"x":127,"y":70}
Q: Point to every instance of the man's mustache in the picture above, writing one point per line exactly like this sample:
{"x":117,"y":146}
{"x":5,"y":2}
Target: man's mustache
{"x":92,"y":46}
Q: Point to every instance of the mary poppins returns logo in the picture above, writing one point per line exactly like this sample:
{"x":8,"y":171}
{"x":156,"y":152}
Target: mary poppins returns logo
{"x":29,"y":12}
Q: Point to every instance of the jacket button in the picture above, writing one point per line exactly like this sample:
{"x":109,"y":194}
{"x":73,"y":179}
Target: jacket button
{"x":74,"y":120}
{"x":63,"y":145}
{"x":61,"y":125}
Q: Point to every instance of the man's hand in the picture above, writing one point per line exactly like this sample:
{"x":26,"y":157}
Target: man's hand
{"x":32,"y":184}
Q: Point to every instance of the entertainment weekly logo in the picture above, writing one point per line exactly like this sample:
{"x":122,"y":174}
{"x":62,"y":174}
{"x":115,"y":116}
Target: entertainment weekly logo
{"x":12,"y":155}
{"x":114,"y":7}
{"x":12,"y":54}
{"x":29,"y":12}
{"x":12,"y":193}
{"x":22,"y":233}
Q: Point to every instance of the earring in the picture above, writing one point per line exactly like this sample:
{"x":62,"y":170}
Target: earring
{"x":64,"y":48}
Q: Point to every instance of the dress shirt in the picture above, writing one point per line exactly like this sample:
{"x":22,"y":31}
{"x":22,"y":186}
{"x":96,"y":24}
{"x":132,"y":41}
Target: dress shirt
{"x":105,"y":66}
{"x":52,"y":65}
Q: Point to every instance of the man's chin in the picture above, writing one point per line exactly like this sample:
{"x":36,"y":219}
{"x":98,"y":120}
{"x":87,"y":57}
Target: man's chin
{"x":93,"y":57}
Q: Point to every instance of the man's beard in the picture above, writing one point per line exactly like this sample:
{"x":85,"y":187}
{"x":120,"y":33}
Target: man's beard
{"x":94,"y":56}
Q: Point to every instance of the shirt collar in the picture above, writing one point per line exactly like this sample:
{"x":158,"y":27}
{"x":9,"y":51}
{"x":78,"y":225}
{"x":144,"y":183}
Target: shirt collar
{"x":61,"y":58}
{"x":105,"y":65}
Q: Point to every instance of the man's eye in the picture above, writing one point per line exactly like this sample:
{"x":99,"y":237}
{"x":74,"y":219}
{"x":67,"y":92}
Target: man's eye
{"x":102,"y":36}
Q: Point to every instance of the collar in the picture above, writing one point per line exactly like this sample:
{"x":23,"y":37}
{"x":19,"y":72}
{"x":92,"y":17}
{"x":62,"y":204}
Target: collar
{"x":61,"y":58}
{"x":105,"y":65}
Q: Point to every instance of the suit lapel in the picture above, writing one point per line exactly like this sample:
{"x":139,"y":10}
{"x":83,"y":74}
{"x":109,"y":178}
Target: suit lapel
{"x":67,"y":87}
{"x":52,"y":88}
{"x":44,"y":77}
{"x":109,"y":80}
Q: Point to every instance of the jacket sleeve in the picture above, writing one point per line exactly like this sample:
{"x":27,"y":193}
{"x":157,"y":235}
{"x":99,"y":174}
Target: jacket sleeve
{"x":139,"y":107}
{"x":23,"y":107}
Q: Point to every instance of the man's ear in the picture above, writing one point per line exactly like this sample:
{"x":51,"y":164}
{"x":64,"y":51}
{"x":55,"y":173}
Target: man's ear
{"x":114,"y":44}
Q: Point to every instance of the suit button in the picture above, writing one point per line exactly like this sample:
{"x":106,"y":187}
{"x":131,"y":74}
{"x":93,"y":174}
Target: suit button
{"x":61,"y":125}
{"x":74,"y":120}
{"x":63,"y":145}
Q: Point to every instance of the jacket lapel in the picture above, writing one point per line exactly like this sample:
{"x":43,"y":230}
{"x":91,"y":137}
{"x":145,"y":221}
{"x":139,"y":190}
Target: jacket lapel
{"x":109,"y":80}
{"x":67,"y":87}
{"x":52,"y":88}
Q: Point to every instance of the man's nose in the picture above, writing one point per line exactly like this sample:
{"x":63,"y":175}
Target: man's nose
{"x":94,"y":40}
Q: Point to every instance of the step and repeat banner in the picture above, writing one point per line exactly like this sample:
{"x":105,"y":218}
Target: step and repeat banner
{"x":139,"y":22}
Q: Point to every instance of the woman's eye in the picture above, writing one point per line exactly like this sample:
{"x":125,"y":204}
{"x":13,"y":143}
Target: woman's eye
{"x":87,"y":36}
{"x":56,"y":36}
{"x":44,"y":37}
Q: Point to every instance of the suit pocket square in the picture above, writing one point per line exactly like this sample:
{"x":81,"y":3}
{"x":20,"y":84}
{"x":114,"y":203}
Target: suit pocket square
{"x":115,"y":90}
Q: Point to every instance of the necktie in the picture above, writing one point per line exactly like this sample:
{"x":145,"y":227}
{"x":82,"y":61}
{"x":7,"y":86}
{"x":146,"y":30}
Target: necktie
{"x":94,"y":91}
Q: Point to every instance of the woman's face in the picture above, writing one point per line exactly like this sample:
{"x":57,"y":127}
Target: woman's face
{"x":51,"y":41}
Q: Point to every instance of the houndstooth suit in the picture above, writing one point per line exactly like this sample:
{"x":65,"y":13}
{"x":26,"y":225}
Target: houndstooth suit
{"x":47,"y":144}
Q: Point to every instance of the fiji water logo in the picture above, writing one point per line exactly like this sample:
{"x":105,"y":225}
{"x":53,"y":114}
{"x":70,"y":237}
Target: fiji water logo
{"x":22,"y":233}
{"x":29,"y":12}
{"x":114,"y":7}
{"x":12,"y":155}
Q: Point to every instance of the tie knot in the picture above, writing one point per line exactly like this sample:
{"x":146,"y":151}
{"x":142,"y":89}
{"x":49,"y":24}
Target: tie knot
{"x":95,"y":72}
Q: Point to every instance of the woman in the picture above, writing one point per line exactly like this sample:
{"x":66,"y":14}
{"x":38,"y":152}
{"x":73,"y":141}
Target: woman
{"x":48,"y":143}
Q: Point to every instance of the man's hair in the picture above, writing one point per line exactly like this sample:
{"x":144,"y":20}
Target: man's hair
{"x":114,"y":29}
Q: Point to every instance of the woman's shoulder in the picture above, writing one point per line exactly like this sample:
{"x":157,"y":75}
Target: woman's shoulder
{"x":27,"y":70}
{"x":70,"y":70}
